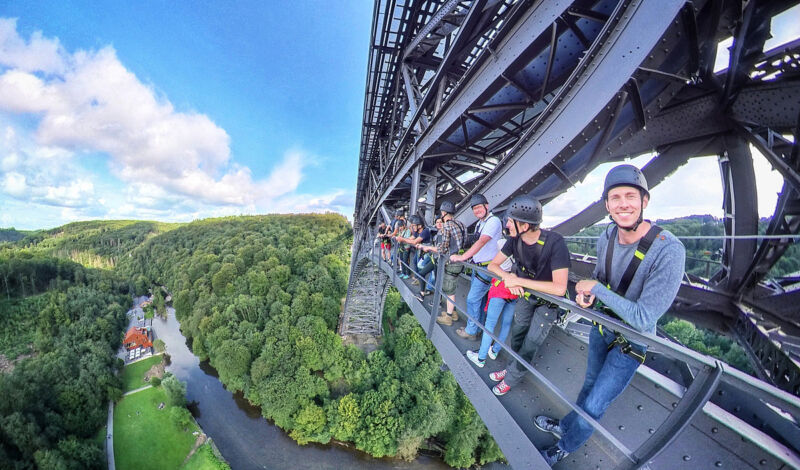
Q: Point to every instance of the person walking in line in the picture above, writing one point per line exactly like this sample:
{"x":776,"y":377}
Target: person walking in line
{"x":637,"y":276}
{"x":483,"y":250}
{"x":453,"y":235}
{"x":541,"y":263}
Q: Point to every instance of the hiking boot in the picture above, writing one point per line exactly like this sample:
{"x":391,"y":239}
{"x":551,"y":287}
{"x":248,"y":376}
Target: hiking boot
{"x":444,"y":319}
{"x":473,"y":356}
{"x":548,"y":424}
{"x":463,"y":333}
{"x":499,"y":375}
{"x":492,"y":353}
{"x":501,"y":389}
{"x":553,"y":455}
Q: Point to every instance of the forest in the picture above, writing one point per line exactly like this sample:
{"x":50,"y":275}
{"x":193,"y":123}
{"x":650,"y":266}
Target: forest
{"x":66,"y":319}
{"x":260,"y":299}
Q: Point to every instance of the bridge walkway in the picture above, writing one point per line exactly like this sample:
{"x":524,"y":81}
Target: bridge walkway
{"x":714,"y":438}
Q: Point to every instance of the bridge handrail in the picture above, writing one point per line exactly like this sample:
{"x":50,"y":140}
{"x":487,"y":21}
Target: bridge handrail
{"x":672,"y":350}
{"x":710,"y":371}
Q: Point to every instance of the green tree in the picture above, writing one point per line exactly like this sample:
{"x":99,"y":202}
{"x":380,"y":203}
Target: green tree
{"x":175,"y":389}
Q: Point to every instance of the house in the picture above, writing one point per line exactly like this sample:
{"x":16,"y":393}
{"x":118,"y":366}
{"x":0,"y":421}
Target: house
{"x":138,"y":337}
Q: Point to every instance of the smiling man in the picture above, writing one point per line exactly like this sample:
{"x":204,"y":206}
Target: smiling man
{"x":637,"y":276}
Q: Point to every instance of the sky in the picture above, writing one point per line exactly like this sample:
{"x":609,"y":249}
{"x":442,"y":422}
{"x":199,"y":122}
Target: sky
{"x":176,"y":111}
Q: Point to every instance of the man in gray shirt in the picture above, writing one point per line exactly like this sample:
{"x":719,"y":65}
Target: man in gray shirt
{"x":638,"y":273}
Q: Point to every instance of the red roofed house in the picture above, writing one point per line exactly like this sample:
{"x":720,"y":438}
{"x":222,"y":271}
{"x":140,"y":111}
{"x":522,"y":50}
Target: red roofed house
{"x":137,"y":337}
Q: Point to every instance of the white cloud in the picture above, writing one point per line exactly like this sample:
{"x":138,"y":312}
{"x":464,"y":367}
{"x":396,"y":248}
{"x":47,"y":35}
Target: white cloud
{"x":88,"y":102}
{"x":36,"y":54}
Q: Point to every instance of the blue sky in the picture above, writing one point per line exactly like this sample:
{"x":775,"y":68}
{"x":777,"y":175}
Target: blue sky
{"x":179,"y":110}
{"x":174,"y":111}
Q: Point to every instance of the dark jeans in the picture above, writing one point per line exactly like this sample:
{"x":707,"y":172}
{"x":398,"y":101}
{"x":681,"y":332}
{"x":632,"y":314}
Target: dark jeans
{"x":529,"y":329}
{"x":608,"y":373}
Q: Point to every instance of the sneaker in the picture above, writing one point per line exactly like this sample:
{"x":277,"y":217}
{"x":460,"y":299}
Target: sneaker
{"x":424,"y":292}
{"x":444,"y":319}
{"x":415,"y":282}
{"x":553,"y":455}
{"x":492,"y":353}
{"x":499,"y":375}
{"x":473,"y":356}
{"x":463,"y":333}
{"x":548,"y":424}
{"x":501,"y":389}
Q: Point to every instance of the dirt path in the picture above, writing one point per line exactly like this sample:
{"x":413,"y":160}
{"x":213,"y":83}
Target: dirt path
{"x":201,"y":439}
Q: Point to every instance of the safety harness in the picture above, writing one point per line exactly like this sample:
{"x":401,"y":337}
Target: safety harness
{"x":638,"y":255}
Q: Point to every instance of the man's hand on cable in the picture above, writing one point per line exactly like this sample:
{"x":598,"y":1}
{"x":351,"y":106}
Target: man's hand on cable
{"x":457,"y":258}
{"x":583,"y":292}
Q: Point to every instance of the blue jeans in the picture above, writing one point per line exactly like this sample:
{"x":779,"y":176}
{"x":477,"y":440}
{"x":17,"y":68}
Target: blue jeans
{"x":608,"y":373}
{"x":478,"y":288}
{"x":497,"y":308}
{"x":427,"y":269}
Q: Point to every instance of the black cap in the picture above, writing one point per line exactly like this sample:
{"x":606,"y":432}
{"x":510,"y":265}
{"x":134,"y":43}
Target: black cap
{"x":625,"y":175}
{"x":477,"y":199}
{"x":448,"y":207}
{"x":525,"y":208}
{"x":415,"y":219}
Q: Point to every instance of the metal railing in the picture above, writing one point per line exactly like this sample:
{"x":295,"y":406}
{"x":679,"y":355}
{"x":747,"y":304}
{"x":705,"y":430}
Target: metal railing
{"x":708,"y":371}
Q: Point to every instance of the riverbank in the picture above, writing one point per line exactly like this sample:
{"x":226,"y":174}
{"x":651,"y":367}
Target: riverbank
{"x":247,"y":440}
{"x":147,"y":433}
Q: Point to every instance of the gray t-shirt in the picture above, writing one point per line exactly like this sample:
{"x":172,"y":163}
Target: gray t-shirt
{"x":653,"y":287}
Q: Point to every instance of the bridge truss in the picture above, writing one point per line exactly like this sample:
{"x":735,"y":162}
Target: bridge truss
{"x":509,"y":97}
{"x":506,"y":97}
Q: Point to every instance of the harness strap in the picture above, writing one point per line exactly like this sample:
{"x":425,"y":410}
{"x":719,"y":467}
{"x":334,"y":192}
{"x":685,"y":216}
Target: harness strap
{"x":626,"y":348}
{"x":539,"y":246}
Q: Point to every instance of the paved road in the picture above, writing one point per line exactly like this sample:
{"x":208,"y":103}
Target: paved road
{"x":110,"y":436}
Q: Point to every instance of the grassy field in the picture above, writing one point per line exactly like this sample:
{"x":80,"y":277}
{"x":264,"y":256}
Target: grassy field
{"x":204,"y":459}
{"x":133,"y":374}
{"x":145,"y":437}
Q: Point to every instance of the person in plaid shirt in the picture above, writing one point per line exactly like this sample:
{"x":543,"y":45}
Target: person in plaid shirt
{"x":451,"y":241}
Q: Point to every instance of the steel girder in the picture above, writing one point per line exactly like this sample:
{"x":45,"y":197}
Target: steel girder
{"x":366,"y":295}
{"x":491,"y":117}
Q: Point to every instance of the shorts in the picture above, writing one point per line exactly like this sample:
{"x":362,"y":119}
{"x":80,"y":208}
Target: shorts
{"x":450,"y":279}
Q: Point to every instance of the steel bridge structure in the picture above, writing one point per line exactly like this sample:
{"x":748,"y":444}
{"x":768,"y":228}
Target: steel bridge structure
{"x":506,"y":97}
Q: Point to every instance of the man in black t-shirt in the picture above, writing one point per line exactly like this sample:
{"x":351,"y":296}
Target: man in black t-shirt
{"x":541,"y":263}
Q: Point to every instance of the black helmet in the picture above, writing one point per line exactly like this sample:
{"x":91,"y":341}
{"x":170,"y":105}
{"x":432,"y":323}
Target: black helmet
{"x":625,"y":175}
{"x":525,"y":208}
{"x":415,"y":219}
{"x":477,"y":199}
{"x":448,"y":207}
{"x":398,"y":212}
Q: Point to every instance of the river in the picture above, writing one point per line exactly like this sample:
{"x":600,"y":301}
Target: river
{"x":245,"y":438}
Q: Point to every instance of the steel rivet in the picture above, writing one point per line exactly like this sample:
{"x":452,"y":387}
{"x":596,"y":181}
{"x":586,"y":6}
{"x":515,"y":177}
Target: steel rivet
{"x":640,"y":407}
{"x":717,"y":463}
{"x":621,"y":427}
{"x":651,"y":430}
{"x":687,"y":458}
